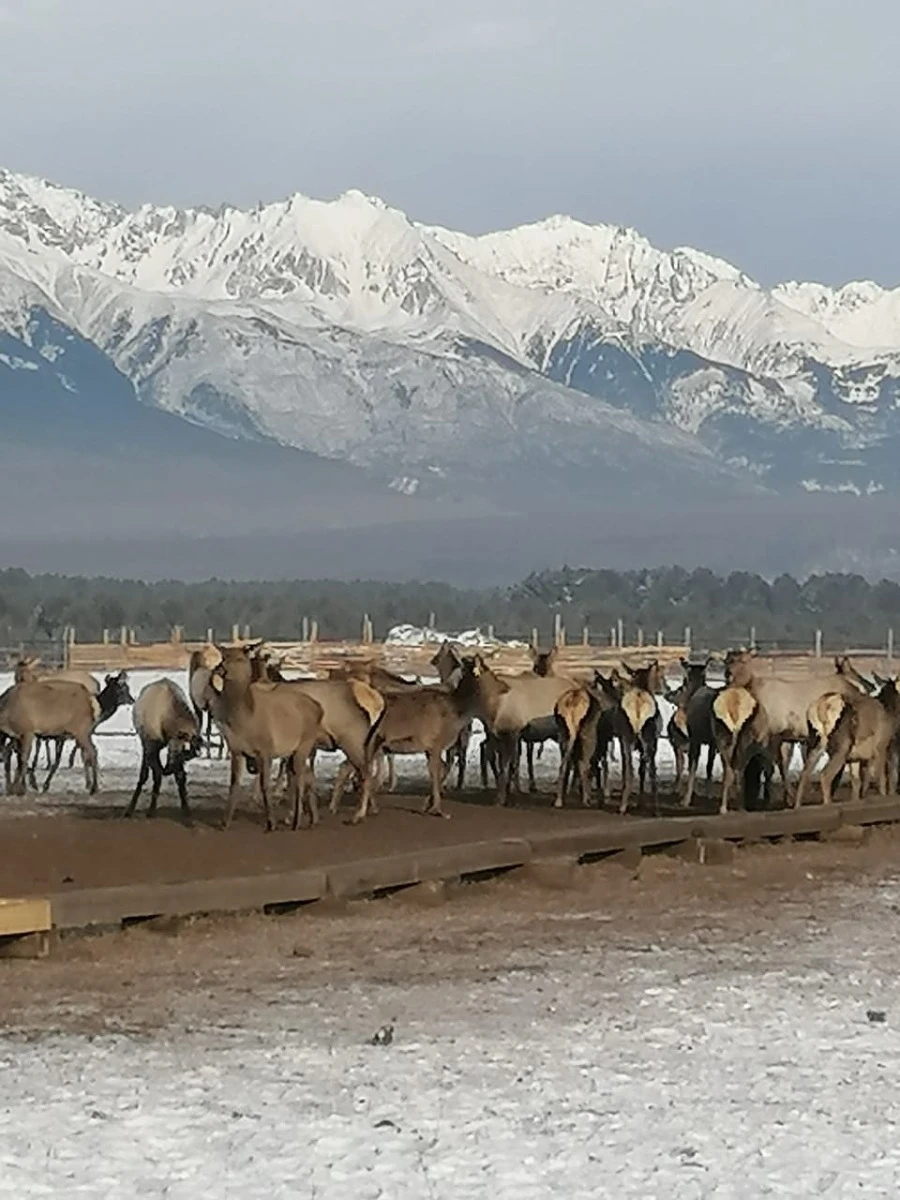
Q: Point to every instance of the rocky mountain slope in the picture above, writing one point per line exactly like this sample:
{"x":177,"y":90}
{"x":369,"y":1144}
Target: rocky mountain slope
{"x":438,"y":361}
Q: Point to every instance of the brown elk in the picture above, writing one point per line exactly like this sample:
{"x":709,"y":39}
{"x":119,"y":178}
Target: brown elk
{"x":858,"y":730}
{"x":426,"y":721}
{"x":349,"y":708}
{"x":587,"y":719}
{"x":265,"y":721}
{"x":741,"y":732}
{"x":786,"y":702}
{"x":53,"y":710}
{"x":640,"y":725}
{"x":506,"y":705}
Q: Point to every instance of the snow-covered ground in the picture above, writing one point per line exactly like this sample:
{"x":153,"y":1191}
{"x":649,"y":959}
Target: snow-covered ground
{"x":705,"y":1067}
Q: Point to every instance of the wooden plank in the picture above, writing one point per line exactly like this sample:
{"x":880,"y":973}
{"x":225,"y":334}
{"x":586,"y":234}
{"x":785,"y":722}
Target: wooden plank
{"x":113,"y":905}
{"x":600,"y":836}
{"x":32,"y":915}
{"x":365,"y":876}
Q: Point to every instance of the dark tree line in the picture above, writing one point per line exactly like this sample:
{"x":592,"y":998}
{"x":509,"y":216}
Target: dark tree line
{"x":721,"y":610}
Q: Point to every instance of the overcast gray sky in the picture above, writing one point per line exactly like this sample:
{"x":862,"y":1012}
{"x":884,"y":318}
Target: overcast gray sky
{"x":765,"y":131}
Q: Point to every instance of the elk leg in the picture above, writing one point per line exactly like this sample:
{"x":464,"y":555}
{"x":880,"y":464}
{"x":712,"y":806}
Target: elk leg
{"x":367,"y":784}
{"x":56,"y":761}
{"x":308,"y":793}
{"x":265,"y":764}
{"x":654,"y":787}
{"x":785,"y":750}
{"x":237,"y":766}
{"x":181,"y":784}
{"x":483,"y":761}
{"x":506,"y":749}
{"x":565,"y":768}
{"x":157,"y":772}
{"x":678,"y":750}
{"x":833,"y":767}
{"x":435,"y":771}
{"x":142,"y":779}
{"x":34,"y":761}
{"x":345,"y":770}
{"x":693,"y":763}
{"x":627,"y":775}
{"x":89,"y":758}
{"x":72,"y":755}
{"x":529,"y":755}
{"x":23,"y":755}
{"x":462,"y":754}
{"x":811,"y":758}
{"x":710,"y":763}
{"x":391,"y":773}
{"x":727,"y":781}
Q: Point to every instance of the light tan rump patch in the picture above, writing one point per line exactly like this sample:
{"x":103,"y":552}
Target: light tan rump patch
{"x":95,"y":708}
{"x":679,"y":719}
{"x":370,"y":701}
{"x":638,"y":707}
{"x":573,"y":707}
{"x":734,"y":706}
{"x":825,"y":712}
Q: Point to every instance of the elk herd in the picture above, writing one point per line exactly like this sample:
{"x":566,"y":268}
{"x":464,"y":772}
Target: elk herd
{"x":274,"y":727}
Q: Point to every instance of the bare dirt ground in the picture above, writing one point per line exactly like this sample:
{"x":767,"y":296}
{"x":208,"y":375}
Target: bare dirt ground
{"x":193,"y":973}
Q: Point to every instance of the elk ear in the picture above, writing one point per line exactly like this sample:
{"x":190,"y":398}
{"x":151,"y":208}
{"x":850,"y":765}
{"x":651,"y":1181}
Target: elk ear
{"x":216,"y":682}
{"x":552,"y":653}
{"x":685,"y":664}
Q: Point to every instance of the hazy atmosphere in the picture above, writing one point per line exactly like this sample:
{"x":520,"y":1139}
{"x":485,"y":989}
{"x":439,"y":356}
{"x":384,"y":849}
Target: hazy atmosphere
{"x":764,"y":132}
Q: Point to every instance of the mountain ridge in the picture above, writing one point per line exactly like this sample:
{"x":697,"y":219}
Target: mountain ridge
{"x":349,"y":330}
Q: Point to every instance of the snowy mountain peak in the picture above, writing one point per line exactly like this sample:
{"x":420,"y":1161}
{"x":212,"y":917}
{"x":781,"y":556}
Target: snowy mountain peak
{"x":193,"y":303}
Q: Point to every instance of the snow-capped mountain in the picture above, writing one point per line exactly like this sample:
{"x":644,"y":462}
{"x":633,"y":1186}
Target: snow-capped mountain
{"x":346,"y":329}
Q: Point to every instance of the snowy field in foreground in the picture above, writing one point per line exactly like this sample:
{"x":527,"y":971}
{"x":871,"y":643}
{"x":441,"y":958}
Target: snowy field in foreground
{"x":741,"y":1069}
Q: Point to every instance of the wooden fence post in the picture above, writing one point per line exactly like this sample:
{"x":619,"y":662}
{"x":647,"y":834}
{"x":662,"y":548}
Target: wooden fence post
{"x":659,"y":638}
{"x":890,"y":646}
{"x":640,"y":637}
{"x":314,"y":631}
{"x":534,"y":639}
{"x":620,"y":633}
{"x":687,"y":636}
{"x":585,"y":636}
{"x":818,"y":643}
{"x":304,"y":636}
{"x":235,"y":633}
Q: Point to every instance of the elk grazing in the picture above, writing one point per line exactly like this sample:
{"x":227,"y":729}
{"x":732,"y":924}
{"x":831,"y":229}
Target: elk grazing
{"x":587,"y":719}
{"x":858,"y":730}
{"x":640,"y":725}
{"x":787,"y":702}
{"x":54,"y":710}
{"x":425,"y":721}
{"x":266,"y":722}
{"x":164,"y":720}
{"x":506,"y":705}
